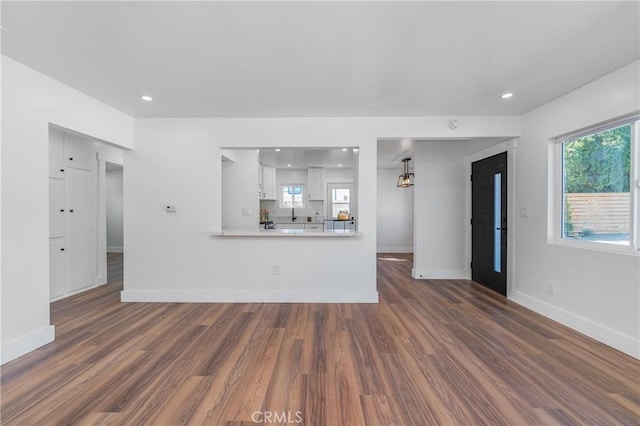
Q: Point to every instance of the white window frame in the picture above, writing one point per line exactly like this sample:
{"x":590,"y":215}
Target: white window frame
{"x":556,"y":205}
{"x":281,"y":200}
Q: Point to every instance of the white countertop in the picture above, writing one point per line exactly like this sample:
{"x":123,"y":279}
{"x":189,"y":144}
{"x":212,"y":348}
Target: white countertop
{"x":285,"y":233}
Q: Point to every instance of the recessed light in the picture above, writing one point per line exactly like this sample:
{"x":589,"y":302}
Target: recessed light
{"x":146,"y":98}
{"x":288,"y":165}
{"x":355,"y":149}
{"x":277,"y":149}
{"x":506,"y":95}
{"x":344,"y":149}
{"x":339,"y":165}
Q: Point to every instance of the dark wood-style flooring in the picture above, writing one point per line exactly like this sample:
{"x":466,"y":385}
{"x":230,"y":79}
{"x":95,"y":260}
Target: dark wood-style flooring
{"x":431,"y":352}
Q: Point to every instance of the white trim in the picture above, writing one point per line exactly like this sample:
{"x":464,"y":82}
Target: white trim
{"x":210,"y":296}
{"x":24,"y":344}
{"x":115,"y":249}
{"x":441,"y":274}
{"x":394,"y":249}
{"x":608,"y":336}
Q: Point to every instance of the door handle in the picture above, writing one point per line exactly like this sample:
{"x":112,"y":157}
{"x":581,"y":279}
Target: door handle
{"x":501,"y":229}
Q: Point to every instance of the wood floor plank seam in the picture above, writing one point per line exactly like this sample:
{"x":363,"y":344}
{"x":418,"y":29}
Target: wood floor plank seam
{"x":431,"y":352}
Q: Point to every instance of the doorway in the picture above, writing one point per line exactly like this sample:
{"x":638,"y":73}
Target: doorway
{"x":114,"y":215}
{"x":489,"y":222}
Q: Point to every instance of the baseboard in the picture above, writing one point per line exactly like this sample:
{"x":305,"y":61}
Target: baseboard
{"x":394,"y":250}
{"x":613,"y":338}
{"x":24,"y":344}
{"x":82,"y":290}
{"x":204,"y":296}
{"x":115,"y":249}
{"x":440,"y":274}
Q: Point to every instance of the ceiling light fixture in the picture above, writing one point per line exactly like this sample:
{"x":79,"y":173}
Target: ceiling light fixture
{"x":405,"y":180}
{"x":277,"y":149}
{"x":146,"y":98}
{"x":288,"y":165}
{"x":506,"y":95}
{"x":344,"y":149}
{"x":339,"y":165}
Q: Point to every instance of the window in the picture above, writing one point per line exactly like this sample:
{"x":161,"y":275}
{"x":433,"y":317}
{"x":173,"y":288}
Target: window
{"x":291,"y":196}
{"x":339,"y":198}
{"x":599,"y":194}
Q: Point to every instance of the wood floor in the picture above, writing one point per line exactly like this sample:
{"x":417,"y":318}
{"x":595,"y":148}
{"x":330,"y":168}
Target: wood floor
{"x":431,"y":352}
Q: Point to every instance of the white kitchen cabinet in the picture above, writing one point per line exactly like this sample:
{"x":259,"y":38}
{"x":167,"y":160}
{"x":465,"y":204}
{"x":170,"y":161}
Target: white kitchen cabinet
{"x":315,"y":177}
{"x":260,"y":185}
{"x":290,"y":226}
{"x":58,"y":268}
{"x":79,"y":152}
{"x":268,"y":183}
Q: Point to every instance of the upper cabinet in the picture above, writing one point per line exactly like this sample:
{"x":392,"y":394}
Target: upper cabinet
{"x":267,"y":181}
{"x":79,"y":152}
{"x":69,"y":150}
{"x":56,"y":153}
{"x":314,"y":183}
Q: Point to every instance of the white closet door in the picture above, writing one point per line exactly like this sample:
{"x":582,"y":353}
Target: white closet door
{"x":57,"y":208}
{"x":58,"y":268}
{"x":56,"y":153}
{"x":81,"y":236}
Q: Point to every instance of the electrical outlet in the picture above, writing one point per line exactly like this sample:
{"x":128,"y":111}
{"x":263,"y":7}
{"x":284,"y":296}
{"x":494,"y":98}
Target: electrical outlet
{"x":276,"y":269}
{"x":551,"y":287}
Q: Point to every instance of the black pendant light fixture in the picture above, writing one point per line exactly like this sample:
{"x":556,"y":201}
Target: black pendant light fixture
{"x":405,"y":180}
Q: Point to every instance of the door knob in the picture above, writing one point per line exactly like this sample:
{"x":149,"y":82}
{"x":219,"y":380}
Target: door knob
{"x":62,"y":210}
{"x":70,"y":210}
{"x":61,"y":249}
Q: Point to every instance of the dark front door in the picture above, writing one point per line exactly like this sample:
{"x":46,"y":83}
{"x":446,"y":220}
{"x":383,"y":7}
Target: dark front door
{"x":489,"y":222}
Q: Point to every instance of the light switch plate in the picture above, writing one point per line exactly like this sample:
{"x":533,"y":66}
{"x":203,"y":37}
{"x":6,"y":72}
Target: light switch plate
{"x":524,"y":212}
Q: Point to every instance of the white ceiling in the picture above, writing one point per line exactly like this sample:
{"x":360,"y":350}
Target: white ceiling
{"x":267,"y":59}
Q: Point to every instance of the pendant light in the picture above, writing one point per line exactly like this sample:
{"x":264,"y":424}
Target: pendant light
{"x":405,"y":180}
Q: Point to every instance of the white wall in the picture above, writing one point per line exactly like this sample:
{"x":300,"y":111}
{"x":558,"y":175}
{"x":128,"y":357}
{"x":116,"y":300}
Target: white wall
{"x":30,"y":101}
{"x":176,"y":258}
{"x":597,"y":293}
{"x":240,"y":191}
{"x":440,"y":208}
{"x":113,"y":189}
{"x":394,"y":228}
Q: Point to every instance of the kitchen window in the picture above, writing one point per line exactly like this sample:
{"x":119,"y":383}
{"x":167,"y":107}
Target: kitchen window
{"x":597,"y":200}
{"x":291,"y":196}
